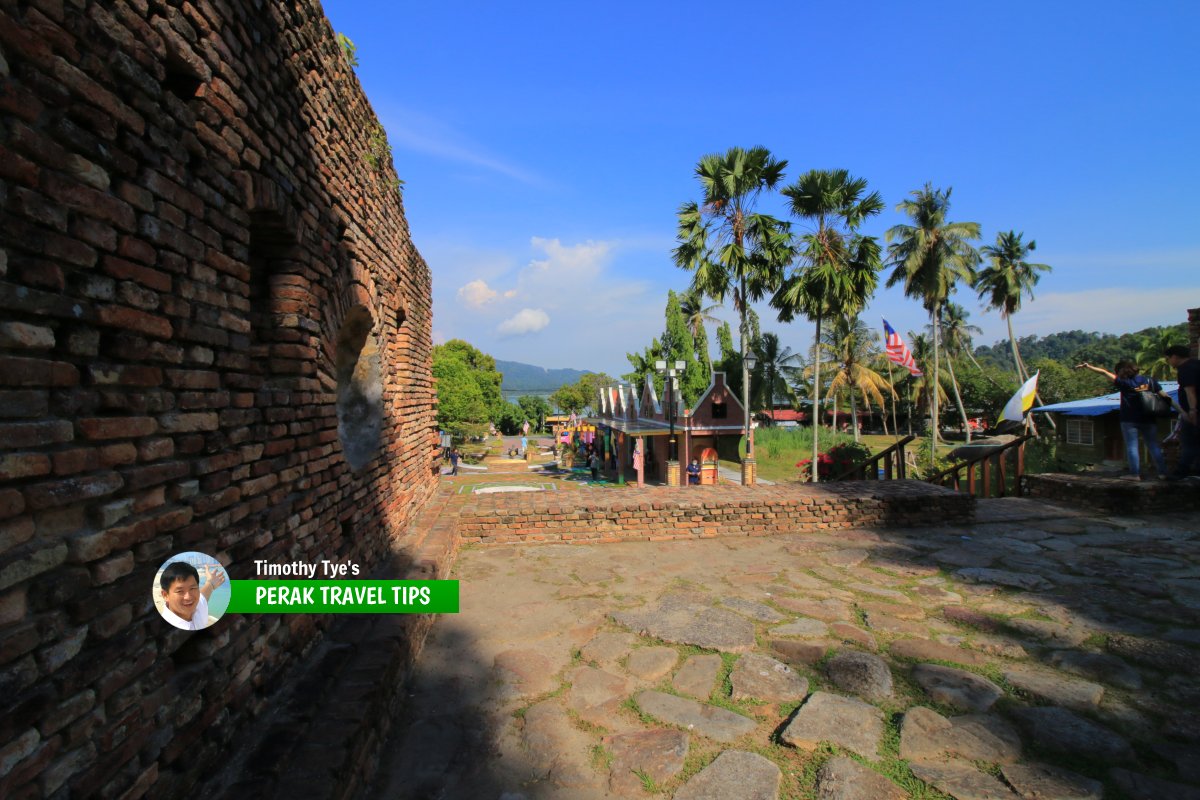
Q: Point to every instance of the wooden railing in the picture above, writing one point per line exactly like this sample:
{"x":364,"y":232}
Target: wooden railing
{"x":868,"y":469}
{"x":952,"y":475}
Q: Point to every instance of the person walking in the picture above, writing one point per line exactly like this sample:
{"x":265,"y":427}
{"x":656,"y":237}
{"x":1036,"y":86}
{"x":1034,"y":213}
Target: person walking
{"x":1135,"y":420}
{"x":594,"y":465}
{"x":454,"y":457}
{"x":1187,"y":371}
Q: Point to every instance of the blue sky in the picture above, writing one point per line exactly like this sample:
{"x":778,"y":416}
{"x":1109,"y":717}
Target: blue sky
{"x":546,"y":147}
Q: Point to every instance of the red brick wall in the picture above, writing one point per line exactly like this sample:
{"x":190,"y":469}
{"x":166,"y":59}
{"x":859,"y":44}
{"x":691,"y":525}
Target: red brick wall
{"x":657,"y":513}
{"x":189,"y":212}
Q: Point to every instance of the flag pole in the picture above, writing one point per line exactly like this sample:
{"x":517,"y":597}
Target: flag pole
{"x":895,"y":426}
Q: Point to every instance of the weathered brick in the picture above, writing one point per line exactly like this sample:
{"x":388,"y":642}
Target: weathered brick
{"x":189,"y":423}
{"x":24,"y":403}
{"x":110,"y":569}
{"x":16,"y":371}
{"x":35,"y":434}
{"x":33,"y":561}
{"x":29,"y":337}
{"x":71,"y":490}
{"x":23,"y":465}
{"x":117,"y":427}
{"x":135,"y":320}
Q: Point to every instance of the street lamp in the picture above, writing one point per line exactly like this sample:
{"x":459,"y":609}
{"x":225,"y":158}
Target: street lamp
{"x":669,"y":374}
{"x":751,"y":363}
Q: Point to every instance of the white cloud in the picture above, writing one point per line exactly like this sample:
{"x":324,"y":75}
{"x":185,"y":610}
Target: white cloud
{"x":476,"y":294}
{"x":1111,"y":310}
{"x":527,"y":320}
{"x":411,"y":130}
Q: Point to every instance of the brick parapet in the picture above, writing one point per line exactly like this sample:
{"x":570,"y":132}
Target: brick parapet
{"x":1112,"y":495}
{"x":194,"y":199}
{"x":660,"y":513}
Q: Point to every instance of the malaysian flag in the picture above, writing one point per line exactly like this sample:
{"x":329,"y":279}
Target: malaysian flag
{"x":897,"y":351}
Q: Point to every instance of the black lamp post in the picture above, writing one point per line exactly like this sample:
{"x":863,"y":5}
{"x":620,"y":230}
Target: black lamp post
{"x":668,"y":374}
{"x":751,"y":363}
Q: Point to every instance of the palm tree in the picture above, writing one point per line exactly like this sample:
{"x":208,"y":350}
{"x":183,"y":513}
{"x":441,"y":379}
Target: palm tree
{"x":839,"y":267}
{"x":853,"y":345}
{"x":731,"y":249}
{"x":930,"y":257}
{"x":923,"y":384}
{"x":776,"y":366}
{"x":696,"y":313}
{"x":1006,"y":280}
{"x":949,"y":344}
{"x":1151,"y":359}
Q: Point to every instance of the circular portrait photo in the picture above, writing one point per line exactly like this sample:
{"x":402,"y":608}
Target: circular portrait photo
{"x":191,"y":591}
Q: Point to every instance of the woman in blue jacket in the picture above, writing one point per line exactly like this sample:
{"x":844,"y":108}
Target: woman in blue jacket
{"x":1134,"y":420}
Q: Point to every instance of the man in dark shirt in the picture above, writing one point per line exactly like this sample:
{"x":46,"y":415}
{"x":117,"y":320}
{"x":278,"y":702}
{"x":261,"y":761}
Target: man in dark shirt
{"x":1188,"y":370}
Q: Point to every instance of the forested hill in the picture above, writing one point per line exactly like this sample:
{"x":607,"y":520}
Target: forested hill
{"x":520,"y":377}
{"x":1075,"y":346}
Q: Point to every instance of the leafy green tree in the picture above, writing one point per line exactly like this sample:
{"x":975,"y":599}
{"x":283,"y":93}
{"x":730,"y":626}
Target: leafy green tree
{"x":697,"y":314}
{"x":731,"y":360}
{"x":731,"y":249}
{"x":483,"y":370}
{"x":508,"y":419}
{"x":1058,"y":383}
{"x":535,"y":409}
{"x":1007,"y":279}
{"x":678,"y":345}
{"x":461,"y":407}
{"x":581,"y":395}
{"x":839,"y":266}
{"x":929,"y":257}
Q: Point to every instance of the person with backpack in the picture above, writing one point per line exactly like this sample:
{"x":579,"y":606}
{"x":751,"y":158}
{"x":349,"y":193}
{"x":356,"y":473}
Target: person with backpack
{"x":454,"y":457}
{"x":1138,"y":395}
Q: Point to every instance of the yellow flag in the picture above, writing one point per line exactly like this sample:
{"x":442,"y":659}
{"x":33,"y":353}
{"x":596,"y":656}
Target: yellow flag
{"x":1020,"y":403}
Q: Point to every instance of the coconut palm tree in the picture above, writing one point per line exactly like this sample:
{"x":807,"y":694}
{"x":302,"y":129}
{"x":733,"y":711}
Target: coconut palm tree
{"x":729,"y":247}
{"x":854,"y":347}
{"x":1150,"y":357}
{"x":950,"y":353}
{"x":1006,"y":280}
{"x":923,"y":385}
{"x":929,"y":257}
{"x":774,"y":371}
{"x":838,"y":266}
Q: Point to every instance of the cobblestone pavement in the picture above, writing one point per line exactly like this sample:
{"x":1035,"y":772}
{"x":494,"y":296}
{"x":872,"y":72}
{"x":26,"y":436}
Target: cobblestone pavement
{"x":1032,"y":654}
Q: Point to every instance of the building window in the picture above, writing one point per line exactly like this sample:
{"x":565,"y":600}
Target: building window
{"x":360,"y":388}
{"x":1079,"y":431}
{"x":719,"y":410}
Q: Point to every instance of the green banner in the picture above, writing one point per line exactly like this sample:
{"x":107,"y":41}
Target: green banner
{"x":343,"y":597}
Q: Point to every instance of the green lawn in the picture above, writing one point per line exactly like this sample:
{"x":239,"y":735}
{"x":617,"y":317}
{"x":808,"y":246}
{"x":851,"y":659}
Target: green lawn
{"x":778,"y":463}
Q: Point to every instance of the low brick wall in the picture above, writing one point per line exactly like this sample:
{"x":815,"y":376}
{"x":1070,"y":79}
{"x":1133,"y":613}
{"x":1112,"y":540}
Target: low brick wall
{"x":670,"y":513}
{"x":1111,"y":494}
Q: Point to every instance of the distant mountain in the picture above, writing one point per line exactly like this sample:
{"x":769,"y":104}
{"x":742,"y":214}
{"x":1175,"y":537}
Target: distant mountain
{"x":520,"y":377}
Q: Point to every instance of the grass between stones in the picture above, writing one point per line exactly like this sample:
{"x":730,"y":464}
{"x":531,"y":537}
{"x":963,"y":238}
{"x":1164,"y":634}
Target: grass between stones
{"x":602,"y":758}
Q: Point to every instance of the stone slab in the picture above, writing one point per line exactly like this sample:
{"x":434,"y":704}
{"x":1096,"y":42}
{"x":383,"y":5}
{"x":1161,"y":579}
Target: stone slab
{"x":962,"y":781}
{"x":1061,"y":731}
{"x":651,"y":663}
{"x":657,"y":753}
{"x":681,"y":620}
{"x":846,"y":722}
{"x":759,"y":677}
{"x":705,"y":720}
{"x":1035,"y":781}
{"x":863,"y":674}
{"x":734,"y":774}
{"x":698,"y":676}
{"x":842,"y":778}
{"x":957,"y":688}
{"x":1053,"y":688}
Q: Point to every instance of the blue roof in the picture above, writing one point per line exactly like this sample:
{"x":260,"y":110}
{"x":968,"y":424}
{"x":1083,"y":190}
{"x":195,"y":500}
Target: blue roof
{"x":1095,"y":406}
